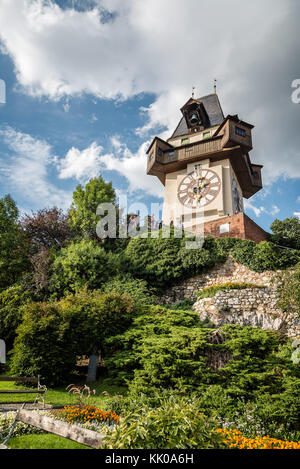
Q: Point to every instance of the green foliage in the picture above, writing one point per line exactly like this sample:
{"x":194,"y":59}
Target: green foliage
{"x":170,"y":349}
{"x":53,"y":335}
{"x":154,"y":260}
{"x":287,"y":232}
{"x":13,"y":254}
{"x":82,"y":263}
{"x":210,"y":292}
{"x":123,"y":352}
{"x":137,"y":289}
{"x":162,"y":262}
{"x":176,"y":423}
{"x":83,"y":217}
{"x":263,"y":256}
{"x":183,"y":305}
{"x":289,"y":289}
{"x":11,"y":301}
{"x":7,"y":419}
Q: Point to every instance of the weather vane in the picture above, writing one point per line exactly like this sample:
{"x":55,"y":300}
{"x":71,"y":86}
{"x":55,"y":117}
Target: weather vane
{"x":215,"y":85}
{"x":193,"y":94}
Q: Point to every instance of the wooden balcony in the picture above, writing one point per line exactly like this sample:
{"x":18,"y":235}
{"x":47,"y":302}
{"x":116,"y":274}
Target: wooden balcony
{"x":163,"y":158}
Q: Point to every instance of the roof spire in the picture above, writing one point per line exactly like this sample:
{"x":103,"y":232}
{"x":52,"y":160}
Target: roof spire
{"x":193,"y":94}
{"x":215,"y":85}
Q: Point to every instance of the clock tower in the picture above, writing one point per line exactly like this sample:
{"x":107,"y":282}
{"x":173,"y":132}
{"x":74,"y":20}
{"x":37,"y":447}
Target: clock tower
{"x":206,"y":170}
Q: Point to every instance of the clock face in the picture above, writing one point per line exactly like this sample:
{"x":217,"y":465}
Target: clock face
{"x":199,"y":188}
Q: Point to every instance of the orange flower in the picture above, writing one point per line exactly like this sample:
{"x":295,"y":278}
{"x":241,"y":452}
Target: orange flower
{"x":234,"y":439}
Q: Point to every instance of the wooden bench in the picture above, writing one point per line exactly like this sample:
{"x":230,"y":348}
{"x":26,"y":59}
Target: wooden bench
{"x":41,"y":389}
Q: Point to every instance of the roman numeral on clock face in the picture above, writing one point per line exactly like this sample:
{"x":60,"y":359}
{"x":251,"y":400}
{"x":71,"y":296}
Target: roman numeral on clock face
{"x":199,"y":188}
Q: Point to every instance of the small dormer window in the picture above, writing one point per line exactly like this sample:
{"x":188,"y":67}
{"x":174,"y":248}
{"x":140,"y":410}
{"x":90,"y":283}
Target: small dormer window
{"x":206,"y":134}
{"x":185,"y":141}
{"x":241,"y":132}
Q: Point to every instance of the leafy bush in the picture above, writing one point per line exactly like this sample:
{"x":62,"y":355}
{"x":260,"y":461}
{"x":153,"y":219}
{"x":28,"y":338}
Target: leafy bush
{"x":289,"y":290}
{"x":123,"y":352}
{"x":177,"y":423}
{"x":162,"y":262}
{"x":82,"y":263}
{"x":169,"y":349}
{"x":11,"y":301}
{"x":209,"y":292}
{"x":137,"y":289}
{"x":53,"y":335}
{"x":264,"y":256}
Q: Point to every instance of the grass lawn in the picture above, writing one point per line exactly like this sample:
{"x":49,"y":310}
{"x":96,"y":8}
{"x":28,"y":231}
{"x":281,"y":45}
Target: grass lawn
{"x":59,"y":396}
{"x":44,"y":441}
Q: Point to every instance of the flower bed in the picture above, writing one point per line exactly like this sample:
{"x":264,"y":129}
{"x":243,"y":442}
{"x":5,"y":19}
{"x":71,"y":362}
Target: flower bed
{"x":85,"y":414}
{"x":235,"y":440}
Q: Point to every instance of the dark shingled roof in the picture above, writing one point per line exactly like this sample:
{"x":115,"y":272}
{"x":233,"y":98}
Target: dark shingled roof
{"x":214,"y":112}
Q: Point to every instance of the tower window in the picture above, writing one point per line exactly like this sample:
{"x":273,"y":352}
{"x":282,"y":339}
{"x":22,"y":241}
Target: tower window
{"x":171,"y":153}
{"x":256,"y":175}
{"x":240,"y":132}
{"x":184,"y":141}
{"x":151,"y":155}
{"x":159,"y":151}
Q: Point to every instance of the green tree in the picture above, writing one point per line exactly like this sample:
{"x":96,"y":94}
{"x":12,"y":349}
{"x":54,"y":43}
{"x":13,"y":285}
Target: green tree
{"x":287,"y":232}
{"x":83,"y":217}
{"x":82,"y":263}
{"x":52,"y":335}
{"x":13,"y":246}
{"x":11,"y":301}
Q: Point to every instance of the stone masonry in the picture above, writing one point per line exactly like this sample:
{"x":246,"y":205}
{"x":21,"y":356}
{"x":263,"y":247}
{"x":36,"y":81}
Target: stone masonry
{"x":229,"y":271}
{"x":254,"y":307}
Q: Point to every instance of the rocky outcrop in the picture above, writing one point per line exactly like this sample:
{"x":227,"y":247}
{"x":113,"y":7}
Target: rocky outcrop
{"x":254,"y":307}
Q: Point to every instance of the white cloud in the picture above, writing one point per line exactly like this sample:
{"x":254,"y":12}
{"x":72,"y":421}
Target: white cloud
{"x":297,"y":214}
{"x":274,"y":210}
{"x":85,"y":164}
{"x":133,"y":167}
{"x":165,"y":47}
{"x":81,"y":165}
{"x":27,"y":169}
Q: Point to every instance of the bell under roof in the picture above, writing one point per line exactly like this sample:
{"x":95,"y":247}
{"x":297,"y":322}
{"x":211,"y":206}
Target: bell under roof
{"x":214,"y":111}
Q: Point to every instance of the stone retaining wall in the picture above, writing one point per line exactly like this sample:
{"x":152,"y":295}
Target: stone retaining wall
{"x":230,"y":271}
{"x":254,"y":307}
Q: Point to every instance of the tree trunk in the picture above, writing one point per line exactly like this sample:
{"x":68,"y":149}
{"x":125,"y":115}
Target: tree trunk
{"x":93,"y":363}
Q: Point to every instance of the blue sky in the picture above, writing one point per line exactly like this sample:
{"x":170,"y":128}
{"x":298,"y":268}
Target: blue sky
{"x":89,"y":83}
